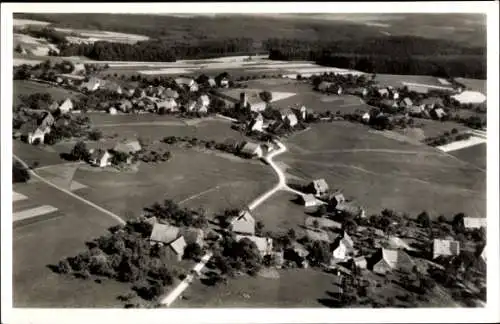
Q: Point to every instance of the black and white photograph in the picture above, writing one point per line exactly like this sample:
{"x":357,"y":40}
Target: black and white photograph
{"x":231,"y":156}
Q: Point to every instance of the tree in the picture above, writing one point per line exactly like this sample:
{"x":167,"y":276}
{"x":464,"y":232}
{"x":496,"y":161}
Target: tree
{"x":441,"y":219}
{"x":63,"y":266}
{"x":95,"y":135}
{"x":80,"y":151}
{"x":320,"y":252}
{"x":119,"y":158}
{"x":423,"y":219}
{"x":19,"y":173}
{"x":192,"y":251}
{"x":291,"y":234}
{"x":458,"y":222}
{"x":266,"y":96}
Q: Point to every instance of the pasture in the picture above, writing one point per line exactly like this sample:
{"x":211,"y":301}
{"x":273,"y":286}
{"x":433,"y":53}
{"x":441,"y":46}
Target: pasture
{"x":188,"y":175}
{"x":380,"y":172}
{"x":31,"y":87}
{"x":475,"y":155}
{"x":44,"y":242}
{"x":396,"y":80}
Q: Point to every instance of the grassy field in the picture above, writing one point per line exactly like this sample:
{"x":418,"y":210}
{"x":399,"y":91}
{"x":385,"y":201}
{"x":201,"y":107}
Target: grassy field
{"x":474,"y":154}
{"x":380,"y":172}
{"x":29,"y":87}
{"x":46,"y":242}
{"x":187,"y":175}
{"x":396,"y":80}
{"x":35,"y":154}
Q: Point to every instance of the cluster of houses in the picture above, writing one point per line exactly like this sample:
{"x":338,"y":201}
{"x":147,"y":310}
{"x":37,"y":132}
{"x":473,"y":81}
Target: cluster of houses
{"x":34,"y":130}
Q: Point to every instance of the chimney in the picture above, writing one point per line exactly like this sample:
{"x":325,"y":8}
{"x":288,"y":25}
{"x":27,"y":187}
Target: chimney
{"x":243,"y":100}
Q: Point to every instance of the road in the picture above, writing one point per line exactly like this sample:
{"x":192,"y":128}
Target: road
{"x":281,"y":185}
{"x":35,"y":175}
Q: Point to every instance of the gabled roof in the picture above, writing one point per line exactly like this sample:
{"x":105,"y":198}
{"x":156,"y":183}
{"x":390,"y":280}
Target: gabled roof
{"x":98,"y":154}
{"x":299,"y":249}
{"x":407,"y":101}
{"x":398,"y":243}
{"x":348,"y":207}
{"x":320,"y":185}
{"x":445,"y":248}
{"x":396,"y":259}
{"x":178,"y":245}
{"x":250,"y":148}
{"x":164,"y":233}
{"x":169,"y":93}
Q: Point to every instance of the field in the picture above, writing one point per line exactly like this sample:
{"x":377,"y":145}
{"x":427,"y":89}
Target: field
{"x":45,"y":242}
{"x":397,"y":80}
{"x":474,"y":84}
{"x":380,"y":172}
{"x":30,"y":87}
{"x":475,"y":154}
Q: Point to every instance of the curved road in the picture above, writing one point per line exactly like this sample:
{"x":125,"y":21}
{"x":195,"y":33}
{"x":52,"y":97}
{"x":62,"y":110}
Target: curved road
{"x":281,"y":185}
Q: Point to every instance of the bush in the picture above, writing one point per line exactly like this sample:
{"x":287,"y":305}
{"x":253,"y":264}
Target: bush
{"x":19,"y":173}
{"x":193,"y":251}
{"x":80,"y":152}
{"x":423,"y":219}
{"x":95,"y":135}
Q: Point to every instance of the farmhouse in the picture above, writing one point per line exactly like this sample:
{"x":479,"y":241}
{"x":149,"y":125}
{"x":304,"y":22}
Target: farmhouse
{"x":309,"y":200}
{"x":473,"y":222}
{"x":318,"y":187}
{"x":386,"y":260}
{"x":264,"y":244}
{"x":257,"y":124}
{"x":253,"y":101}
{"x":169,"y":105}
{"x":164,"y":233}
{"x":92,"y":84}
{"x":66,"y":106}
{"x":128,"y":147}
{"x":342,"y":249}
{"x":32,"y":133}
{"x":289,"y":118}
{"x":252,"y":149}
{"x":321,"y":222}
{"x":169,"y":93}
{"x":100,"y":158}
{"x":200,"y":105}
{"x":360,"y":262}
{"x":244,"y":223}
{"x":445,"y":248}
{"x":438,"y":113}
{"x":473,"y":97}
{"x":337,"y":198}
{"x":397,"y":243}
{"x":46,"y":121}
{"x":406,"y":103}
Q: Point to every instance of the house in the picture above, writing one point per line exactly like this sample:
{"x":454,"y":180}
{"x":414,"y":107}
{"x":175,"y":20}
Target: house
{"x":112,"y":111}
{"x":360,"y":262}
{"x":416,"y":110}
{"x":211,"y":83}
{"x":406,"y":103}
{"x":92,"y":84}
{"x":31,"y":132}
{"x":46,"y":121}
{"x":432,"y":102}
{"x":388,"y":260}
{"x":306,"y":113}
{"x":253,"y":101}
{"x":336,"y":89}
{"x":438,"y":113}
{"x":224,"y":82}
{"x":164,"y":233}
{"x":445,"y":248}
{"x":252,"y":149}
{"x":343,"y":248}
{"x":100,"y":158}
{"x":128,"y":147}
{"x":337,"y":198}
{"x":383,"y":92}
{"x":200,"y":105}
{"x":318,"y":187}
{"x":194,"y":235}
{"x":264,"y":244}
{"x":289,"y":118}
{"x":168,"y":104}
{"x":395,"y":94}
{"x":129,"y":92}
{"x":483,"y":254}
{"x":187,"y":82}
{"x":66,"y":106}
{"x":244,"y":223}
{"x":78,"y":68}
{"x":474,"y":222}
{"x":321,"y":222}
{"x":309,"y":200}
{"x":257,"y":124}
{"x":178,"y":246}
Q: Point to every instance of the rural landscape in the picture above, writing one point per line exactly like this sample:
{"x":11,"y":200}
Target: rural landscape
{"x":264,"y":161}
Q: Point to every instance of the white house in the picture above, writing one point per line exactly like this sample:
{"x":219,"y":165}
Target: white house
{"x":188,"y":82}
{"x":290,"y":118}
{"x":474,"y":222}
{"x":257,"y":124}
{"x":100,"y":158}
{"x":112,"y":111}
{"x":445,"y":248}
{"x":66,"y":106}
